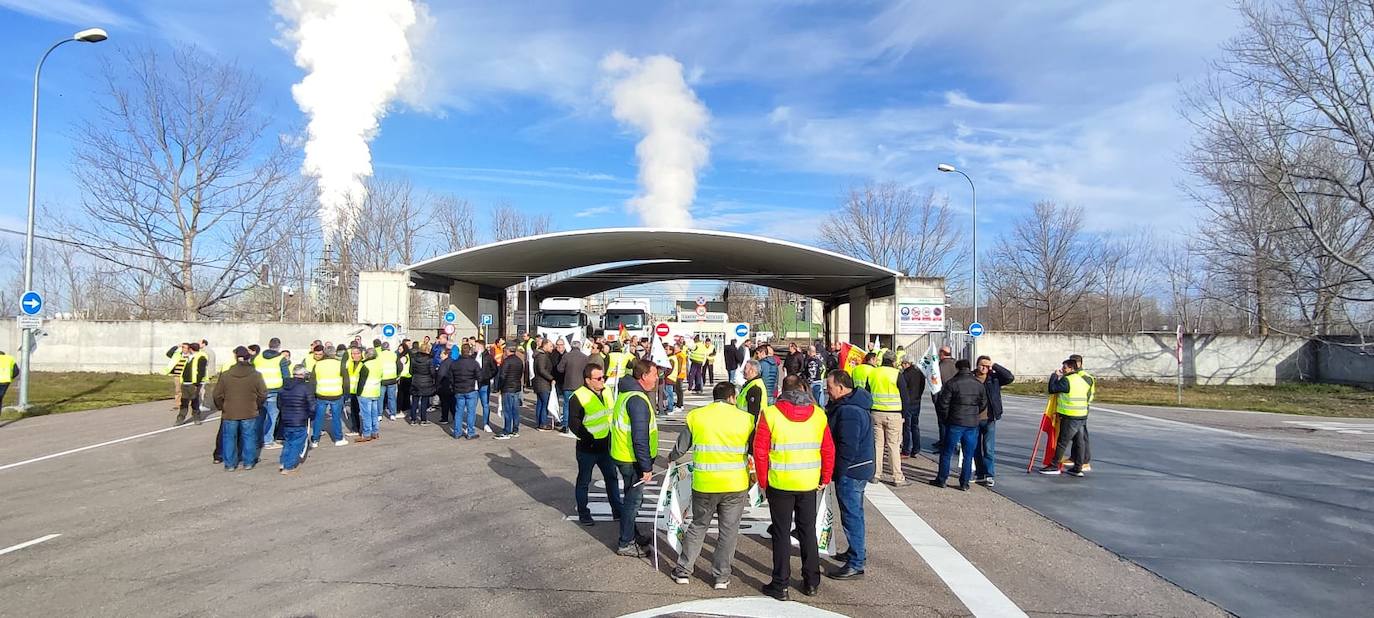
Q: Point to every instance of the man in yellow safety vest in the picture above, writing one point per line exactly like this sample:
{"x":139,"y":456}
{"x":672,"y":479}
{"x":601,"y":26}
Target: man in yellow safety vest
{"x":718,"y":435}
{"x":793,"y":457}
{"x":8,"y":371}
{"x":1075,"y":390}
{"x":753,"y":397}
{"x":589,"y":418}
{"x":634,"y":445}
{"x":390,"y":366}
{"x":275,"y":370}
{"x":887,"y":420}
{"x":331,"y":382}
{"x":861,"y":371}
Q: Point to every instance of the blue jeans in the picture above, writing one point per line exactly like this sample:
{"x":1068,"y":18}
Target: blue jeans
{"x":670,"y":395}
{"x":419,"y":408}
{"x":267,"y":417}
{"x":818,"y":393}
{"x":911,"y":430}
{"x":484,"y":396}
{"x":389,"y":399}
{"x":629,"y":505}
{"x":238,"y":443}
{"x":465,"y":419}
{"x":369,"y":411}
{"x":541,"y":408}
{"x":567,"y":398}
{"x":956,"y":436}
{"x":335,"y":408}
{"x":510,"y":412}
{"x":986,"y":451}
{"x":731,"y":374}
{"x":849,"y":492}
{"x":585,"y":463}
{"x":293,"y":446}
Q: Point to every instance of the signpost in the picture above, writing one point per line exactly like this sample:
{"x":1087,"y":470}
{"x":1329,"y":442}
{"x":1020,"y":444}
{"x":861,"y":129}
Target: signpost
{"x":487,"y":319}
{"x":975,"y":329}
{"x":450,"y":317}
{"x":662,"y":329}
{"x":742,"y":331}
{"x":448,"y":329}
{"x":28,"y":321}
{"x":389,"y":330}
{"x":701,"y":301}
{"x":31,"y":303}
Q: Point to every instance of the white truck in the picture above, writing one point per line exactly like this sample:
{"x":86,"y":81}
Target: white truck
{"x":632,"y":313}
{"x":564,"y":318}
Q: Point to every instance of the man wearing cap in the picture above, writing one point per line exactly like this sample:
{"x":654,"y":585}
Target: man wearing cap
{"x":239,"y":394}
{"x":296,"y":402}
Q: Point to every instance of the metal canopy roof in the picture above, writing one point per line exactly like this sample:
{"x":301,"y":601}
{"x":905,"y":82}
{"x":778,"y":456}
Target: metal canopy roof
{"x":696,"y":254}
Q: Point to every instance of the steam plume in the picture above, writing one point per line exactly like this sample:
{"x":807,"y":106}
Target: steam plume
{"x":651,"y":95}
{"x":356,"y":54}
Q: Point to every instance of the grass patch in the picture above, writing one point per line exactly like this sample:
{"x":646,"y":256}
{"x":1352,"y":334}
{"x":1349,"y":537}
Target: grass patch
{"x":58,"y":392}
{"x":1288,"y":398}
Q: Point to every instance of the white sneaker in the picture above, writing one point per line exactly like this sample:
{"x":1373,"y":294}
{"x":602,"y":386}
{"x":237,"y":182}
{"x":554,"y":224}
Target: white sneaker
{"x":270,"y":445}
{"x":485,"y":430}
{"x":350,"y":433}
{"x":721,"y":585}
{"x":313,"y":444}
{"x":342,"y":441}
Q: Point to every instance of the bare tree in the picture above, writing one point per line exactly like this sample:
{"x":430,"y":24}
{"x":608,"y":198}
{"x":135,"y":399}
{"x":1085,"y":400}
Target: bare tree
{"x":180,"y":179}
{"x":897,"y":227}
{"x":1286,"y":131}
{"x":1049,"y":261}
{"x":453,"y":215}
{"x":509,"y":222}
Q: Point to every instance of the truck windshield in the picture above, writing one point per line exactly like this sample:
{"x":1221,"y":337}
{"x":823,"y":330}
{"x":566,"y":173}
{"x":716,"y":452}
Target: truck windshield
{"x":630,"y":319}
{"x":558,"y":320}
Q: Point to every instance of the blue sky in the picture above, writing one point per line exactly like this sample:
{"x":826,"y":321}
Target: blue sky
{"x":1069,"y":101}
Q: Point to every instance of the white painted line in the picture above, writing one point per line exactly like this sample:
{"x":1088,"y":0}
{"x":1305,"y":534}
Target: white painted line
{"x":28,"y":543}
{"x":1166,"y":421}
{"x":978,"y":594}
{"x":87,"y":448}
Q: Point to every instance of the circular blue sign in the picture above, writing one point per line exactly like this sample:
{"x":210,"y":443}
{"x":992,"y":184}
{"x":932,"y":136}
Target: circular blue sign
{"x":389,"y":330}
{"x":975,"y":329}
{"x":31,"y":303}
{"x":742,"y":330}
{"x":450,"y":317}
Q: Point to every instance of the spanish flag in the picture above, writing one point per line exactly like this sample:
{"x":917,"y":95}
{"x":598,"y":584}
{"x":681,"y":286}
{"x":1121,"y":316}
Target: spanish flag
{"x":850,"y":356}
{"x":621,"y":337}
{"x":1049,"y":425}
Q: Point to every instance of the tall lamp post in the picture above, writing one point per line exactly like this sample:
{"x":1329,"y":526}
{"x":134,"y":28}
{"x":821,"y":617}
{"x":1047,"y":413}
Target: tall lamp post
{"x":947,"y":168}
{"x":90,"y":35}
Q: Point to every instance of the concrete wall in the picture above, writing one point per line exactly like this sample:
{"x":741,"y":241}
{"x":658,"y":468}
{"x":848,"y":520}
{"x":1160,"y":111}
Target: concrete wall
{"x":138,"y":347}
{"x":1207,"y":359}
{"x":1344,"y":364}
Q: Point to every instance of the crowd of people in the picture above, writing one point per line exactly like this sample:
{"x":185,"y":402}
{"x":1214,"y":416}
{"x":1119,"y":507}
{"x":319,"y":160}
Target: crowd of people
{"x":790,"y":423}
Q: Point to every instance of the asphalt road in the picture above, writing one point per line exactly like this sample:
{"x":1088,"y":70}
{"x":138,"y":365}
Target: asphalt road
{"x":417,"y":524}
{"x":1251,"y":511}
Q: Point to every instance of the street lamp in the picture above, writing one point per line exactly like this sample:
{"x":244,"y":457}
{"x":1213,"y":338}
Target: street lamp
{"x":89,"y":35}
{"x":947,"y":168}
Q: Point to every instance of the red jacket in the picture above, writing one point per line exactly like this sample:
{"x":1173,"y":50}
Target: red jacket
{"x":763,"y":442}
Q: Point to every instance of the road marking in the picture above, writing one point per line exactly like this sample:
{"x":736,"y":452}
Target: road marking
{"x":87,"y":448}
{"x":974,"y":590}
{"x":1358,"y":429}
{"x":1166,"y":421}
{"x":28,"y":543}
{"x":748,"y":607}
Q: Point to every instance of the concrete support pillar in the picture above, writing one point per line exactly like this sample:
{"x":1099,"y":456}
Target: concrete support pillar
{"x":910,"y":291}
{"x":463,"y":298}
{"x":858,"y":316}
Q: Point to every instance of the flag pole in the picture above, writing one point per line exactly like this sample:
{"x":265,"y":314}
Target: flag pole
{"x":1035,"y":450}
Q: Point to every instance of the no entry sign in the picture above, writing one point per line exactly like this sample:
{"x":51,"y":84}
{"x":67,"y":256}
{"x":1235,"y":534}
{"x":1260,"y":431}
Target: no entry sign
{"x":662,"y":329}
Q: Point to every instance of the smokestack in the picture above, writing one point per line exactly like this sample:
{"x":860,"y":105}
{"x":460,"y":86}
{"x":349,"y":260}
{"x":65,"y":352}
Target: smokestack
{"x":650,"y":95}
{"x":356,"y":54}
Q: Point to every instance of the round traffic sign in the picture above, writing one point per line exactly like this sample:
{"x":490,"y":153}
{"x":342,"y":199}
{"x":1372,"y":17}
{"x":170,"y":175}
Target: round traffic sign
{"x":701,"y":301}
{"x":31,"y":303}
{"x":742,"y":330}
{"x":701,"y":311}
{"x":662,"y":329}
{"x":450,"y":317}
{"x":448,"y":329}
{"x":389,"y":330}
{"x":975,"y":329}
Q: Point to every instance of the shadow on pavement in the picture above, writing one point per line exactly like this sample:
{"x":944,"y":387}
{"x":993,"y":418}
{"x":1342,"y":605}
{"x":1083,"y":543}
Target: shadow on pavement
{"x":551,"y":491}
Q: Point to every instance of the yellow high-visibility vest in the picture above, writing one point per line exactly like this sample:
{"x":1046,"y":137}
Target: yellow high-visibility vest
{"x":387,"y":358}
{"x":622,"y":444}
{"x":619,"y":362}
{"x":193,"y":366}
{"x":355,"y":369}
{"x":309,"y":362}
{"x":6,"y":368}
{"x":1075,"y":402}
{"x":328,"y":377}
{"x":756,"y":384}
{"x":882,"y":382}
{"x":697,"y":353}
{"x":596,"y":410}
{"x":860,"y":375}
{"x":794,"y":458}
{"x":270,"y":368}
{"x":720,"y":447}
{"x":405,"y":366}
{"x":373,"y":388}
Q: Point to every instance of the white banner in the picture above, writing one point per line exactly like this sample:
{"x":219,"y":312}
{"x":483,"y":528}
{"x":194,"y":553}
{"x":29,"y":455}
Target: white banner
{"x":930,"y":365}
{"x":674,"y":504}
{"x":829,"y":533}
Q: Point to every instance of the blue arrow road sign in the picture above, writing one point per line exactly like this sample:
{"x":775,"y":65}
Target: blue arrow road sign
{"x":389,"y":330}
{"x":31,"y":303}
{"x":742,"y":330}
{"x":486,"y":319}
{"x":450,"y":317}
{"x":975,"y":329}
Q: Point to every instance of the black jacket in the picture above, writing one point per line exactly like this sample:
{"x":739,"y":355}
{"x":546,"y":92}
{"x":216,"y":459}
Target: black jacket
{"x":960,"y":400}
{"x":296,"y":400}
{"x":911,"y":383}
{"x":997,"y":378}
{"x":586,"y":442}
{"x":731,"y":357}
{"x":851,"y":428}
{"x":511,"y":375}
{"x":422,"y":378}
{"x":573,"y":363}
{"x":543,"y":378}
{"x":445,"y":373}
{"x":489,"y":369}
{"x":464,"y":375}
